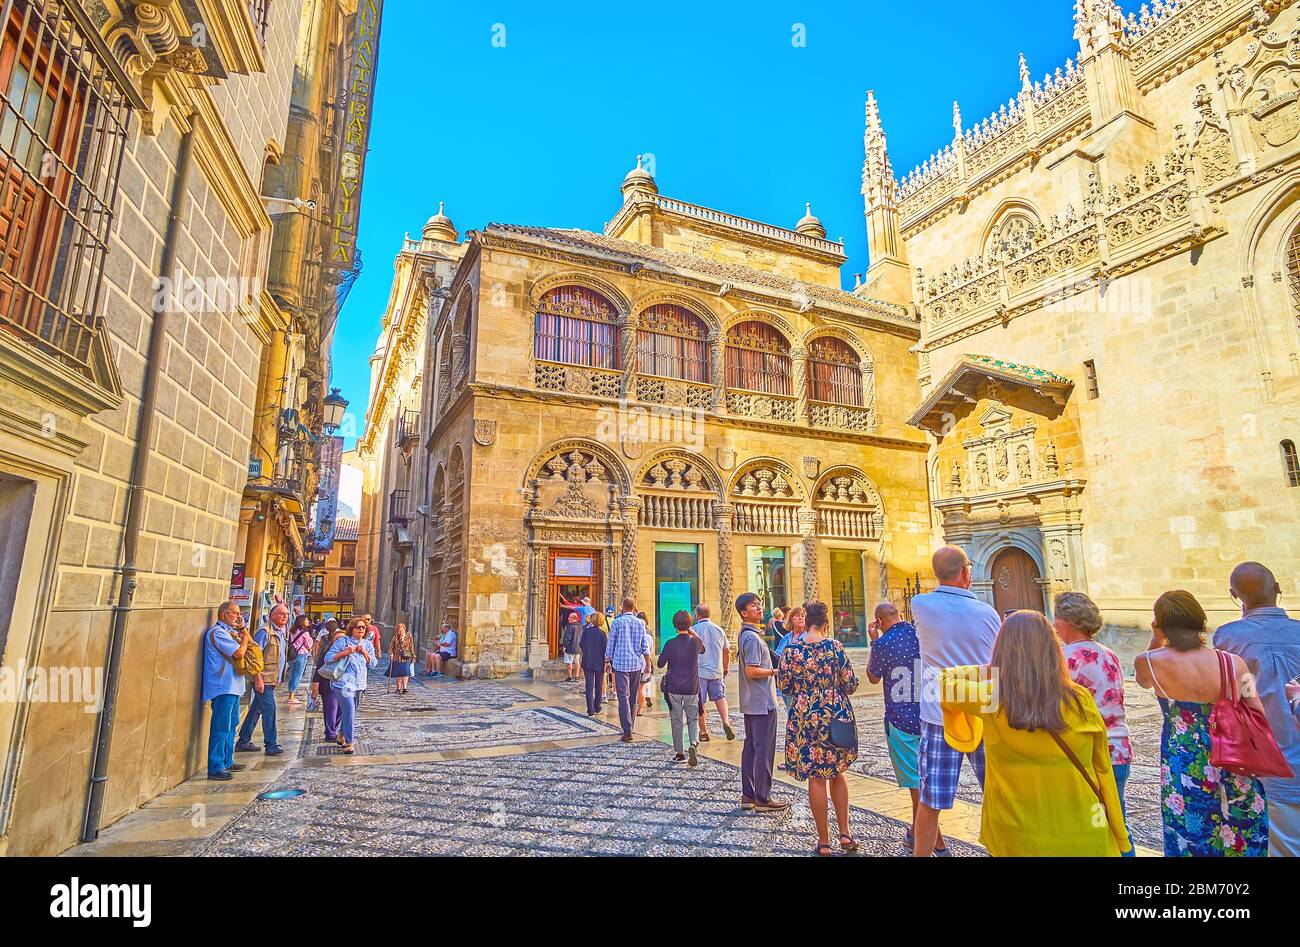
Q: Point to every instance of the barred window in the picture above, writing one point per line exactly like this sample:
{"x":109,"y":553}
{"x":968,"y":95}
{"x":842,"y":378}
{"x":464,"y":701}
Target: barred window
{"x":672,"y":343}
{"x":758,"y":359}
{"x":1291,"y":464}
{"x":63,"y":124}
{"x":577,"y":326}
{"x":834,"y":376}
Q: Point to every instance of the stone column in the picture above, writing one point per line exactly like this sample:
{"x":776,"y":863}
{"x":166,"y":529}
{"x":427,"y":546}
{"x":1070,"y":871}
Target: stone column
{"x":868,"y":370}
{"x":538,"y":652}
{"x":459,"y":356}
{"x":628,"y":347}
{"x":718,"y":371}
{"x":630,"y":507}
{"x":722,"y":521}
{"x":808,"y":529}
{"x":799,"y":381}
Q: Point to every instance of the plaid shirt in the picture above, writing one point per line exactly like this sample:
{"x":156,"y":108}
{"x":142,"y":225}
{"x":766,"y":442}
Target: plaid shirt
{"x":626,"y":649}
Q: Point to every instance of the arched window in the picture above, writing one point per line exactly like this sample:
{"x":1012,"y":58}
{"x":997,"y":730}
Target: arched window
{"x":1291,"y":464}
{"x":672,"y":343}
{"x":1012,"y":236}
{"x":834,"y":376}
{"x":577,"y":326}
{"x":1293,"y":269}
{"x":758,"y":359}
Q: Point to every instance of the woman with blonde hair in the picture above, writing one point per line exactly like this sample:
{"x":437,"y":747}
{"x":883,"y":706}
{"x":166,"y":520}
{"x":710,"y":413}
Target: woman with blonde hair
{"x":1049,"y":788}
{"x":357,"y":655}
{"x":401,"y":658}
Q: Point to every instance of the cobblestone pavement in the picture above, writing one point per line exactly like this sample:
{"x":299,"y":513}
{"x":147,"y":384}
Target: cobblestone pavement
{"x":603,"y":800}
{"x":517,"y":767}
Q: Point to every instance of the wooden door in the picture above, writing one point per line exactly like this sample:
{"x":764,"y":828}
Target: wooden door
{"x":1015,"y":582}
{"x":571,"y":574}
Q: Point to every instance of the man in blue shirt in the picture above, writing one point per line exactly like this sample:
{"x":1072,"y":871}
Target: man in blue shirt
{"x":627,"y":654}
{"x":224,"y":644}
{"x":1268,"y":640}
{"x":896,"y":660}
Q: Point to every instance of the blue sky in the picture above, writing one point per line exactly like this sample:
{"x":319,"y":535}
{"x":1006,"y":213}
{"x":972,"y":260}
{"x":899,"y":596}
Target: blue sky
{"x":542,"y":129}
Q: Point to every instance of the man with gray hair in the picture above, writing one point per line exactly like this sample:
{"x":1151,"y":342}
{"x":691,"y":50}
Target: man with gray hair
{"x":954,"y":628}
{"x":224,"y":645}
{"x":1269,"y":641}
{"x":271,"y":638}
{"x":713,"y":668}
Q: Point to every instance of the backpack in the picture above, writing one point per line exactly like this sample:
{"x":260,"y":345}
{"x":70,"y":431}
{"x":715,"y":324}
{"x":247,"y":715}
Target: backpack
{"x":250,"y":665}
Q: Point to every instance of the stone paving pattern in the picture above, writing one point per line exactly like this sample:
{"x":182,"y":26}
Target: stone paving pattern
{"x":605,"y":800}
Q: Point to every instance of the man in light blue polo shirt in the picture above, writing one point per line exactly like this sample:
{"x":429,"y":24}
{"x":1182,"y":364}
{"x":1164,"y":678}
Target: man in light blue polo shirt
{"x":223,"y":644}
{"x":1269,"y":642}
{"x":954,"y":629}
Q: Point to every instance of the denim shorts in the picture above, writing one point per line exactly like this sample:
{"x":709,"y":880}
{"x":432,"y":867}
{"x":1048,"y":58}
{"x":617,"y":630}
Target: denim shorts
{"x":712,"y":690}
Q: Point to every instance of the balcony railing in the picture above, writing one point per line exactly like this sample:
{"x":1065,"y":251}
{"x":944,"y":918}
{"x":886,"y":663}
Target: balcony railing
{"x":408,"y":428}
{"x":259,"y":11}
{"x":399,"y":506}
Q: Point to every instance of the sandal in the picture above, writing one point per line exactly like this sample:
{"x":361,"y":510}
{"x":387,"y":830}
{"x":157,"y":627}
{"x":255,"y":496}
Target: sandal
{"x":823,"y":850}
{"x":850,"y":847}
{"x":349,"y":748}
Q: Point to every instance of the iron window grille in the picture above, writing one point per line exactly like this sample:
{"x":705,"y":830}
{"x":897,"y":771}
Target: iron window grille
{"x":672,"y":343}
{"x":577,"y":326}
{"x":64,"y":119}
{"x":758,"y":359}
{"x":260,"y":12}
{"x":834,"y":376}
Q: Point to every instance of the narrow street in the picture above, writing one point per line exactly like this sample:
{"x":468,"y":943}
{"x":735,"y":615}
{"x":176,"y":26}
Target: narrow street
{"x":516,"y":767}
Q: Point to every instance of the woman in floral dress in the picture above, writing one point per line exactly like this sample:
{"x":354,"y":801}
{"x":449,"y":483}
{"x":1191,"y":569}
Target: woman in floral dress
{"x":1207,"y":812}
{"x":816,"y":675}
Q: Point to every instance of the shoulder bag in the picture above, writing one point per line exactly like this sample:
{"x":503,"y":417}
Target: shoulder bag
{"x":1241,"y":740}
{"x":844,"y":729}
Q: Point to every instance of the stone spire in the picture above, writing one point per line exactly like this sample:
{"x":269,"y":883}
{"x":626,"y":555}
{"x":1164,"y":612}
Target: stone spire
{"x":887,"y":277}
{"x":1026,"y":85}
{"x":638,"y":179}
{"x":440,"y":227}
{"x":809,"y":225}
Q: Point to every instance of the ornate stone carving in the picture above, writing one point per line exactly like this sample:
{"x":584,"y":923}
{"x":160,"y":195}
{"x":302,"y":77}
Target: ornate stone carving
{"x":573,"y":503}
{"x":726,"y":458}
{"x":631,"y":509}
{"x":811,"y":467}
{"x":485,"y":432}
{"x":808,"y":527}
{"x":722,"y":521}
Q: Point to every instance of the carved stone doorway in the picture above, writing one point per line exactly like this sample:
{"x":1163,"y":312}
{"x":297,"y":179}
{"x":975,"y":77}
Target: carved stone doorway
{"x":1017,"y":583}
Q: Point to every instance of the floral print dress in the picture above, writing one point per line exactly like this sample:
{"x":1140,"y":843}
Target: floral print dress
{"x":818,"y":679}
{"x":1207,"y":812}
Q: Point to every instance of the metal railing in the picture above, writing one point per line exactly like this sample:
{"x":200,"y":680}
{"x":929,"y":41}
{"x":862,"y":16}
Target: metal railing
{"x":398,"y":506}
{"x":63,"y":125}
{"x":259,"y":11}
{"x":408,"y":428}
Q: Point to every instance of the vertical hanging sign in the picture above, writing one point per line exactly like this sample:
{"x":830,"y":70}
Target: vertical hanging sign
{"x":363,"y":64}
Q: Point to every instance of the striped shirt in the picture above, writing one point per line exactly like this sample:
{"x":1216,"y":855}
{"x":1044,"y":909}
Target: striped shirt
{"x":627,"y":650}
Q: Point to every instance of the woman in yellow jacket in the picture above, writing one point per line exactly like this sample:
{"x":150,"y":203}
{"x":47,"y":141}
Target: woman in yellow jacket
{"x":1049,"y":788}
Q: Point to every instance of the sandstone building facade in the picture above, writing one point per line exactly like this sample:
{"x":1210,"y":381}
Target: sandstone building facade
{"x":679,"y":408}
{"x":1107,"y":273}
{"x":136,"y":323}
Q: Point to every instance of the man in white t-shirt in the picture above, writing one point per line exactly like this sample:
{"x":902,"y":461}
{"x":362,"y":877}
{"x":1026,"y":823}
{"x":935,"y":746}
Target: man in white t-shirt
{"x":714,"y":665}
{"x":954,"y":629}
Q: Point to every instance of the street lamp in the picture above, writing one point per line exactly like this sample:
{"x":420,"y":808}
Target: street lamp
{"x":335,"y":405}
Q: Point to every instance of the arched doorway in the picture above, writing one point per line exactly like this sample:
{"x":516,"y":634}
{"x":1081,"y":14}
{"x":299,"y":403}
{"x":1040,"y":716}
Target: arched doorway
{"x":1015,"y":581}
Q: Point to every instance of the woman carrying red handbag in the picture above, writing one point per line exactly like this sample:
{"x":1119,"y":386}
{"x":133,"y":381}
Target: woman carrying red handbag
{"x":1207,"y":810}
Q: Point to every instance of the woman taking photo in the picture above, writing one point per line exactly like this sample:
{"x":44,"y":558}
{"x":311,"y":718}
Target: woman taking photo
{"x":401,"y":658}
{"x":358,"y":655}
{"x":816,"y":675}
{"x":1048,"y":772}
{"x":323,"y":689}
{"x":1206,"y":811}
{"x":300,"y":647}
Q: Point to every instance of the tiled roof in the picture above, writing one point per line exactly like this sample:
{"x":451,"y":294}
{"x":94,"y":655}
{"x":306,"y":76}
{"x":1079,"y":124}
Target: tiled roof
{"x":1030,"y":373}
{"x":632,"y":252}
{"x":346,"y":531}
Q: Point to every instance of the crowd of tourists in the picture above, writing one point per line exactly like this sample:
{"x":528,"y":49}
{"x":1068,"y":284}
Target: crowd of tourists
{"x":1035,"y":707}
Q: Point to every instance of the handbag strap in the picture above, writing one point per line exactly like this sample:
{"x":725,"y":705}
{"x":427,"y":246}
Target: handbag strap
{"x":1227,"y":678}
{"x":1096,"y":790}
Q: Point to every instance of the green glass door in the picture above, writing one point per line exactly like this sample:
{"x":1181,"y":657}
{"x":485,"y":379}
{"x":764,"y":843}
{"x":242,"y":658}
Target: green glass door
{"x":677,"y":585}
{"x":849,"y":598}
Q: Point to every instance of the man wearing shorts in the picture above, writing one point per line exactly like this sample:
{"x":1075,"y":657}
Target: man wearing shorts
{"x":896,"y":660}
{"x":714,"y":664}
{"x":953,"y":629}
{"x":571,"y":645}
